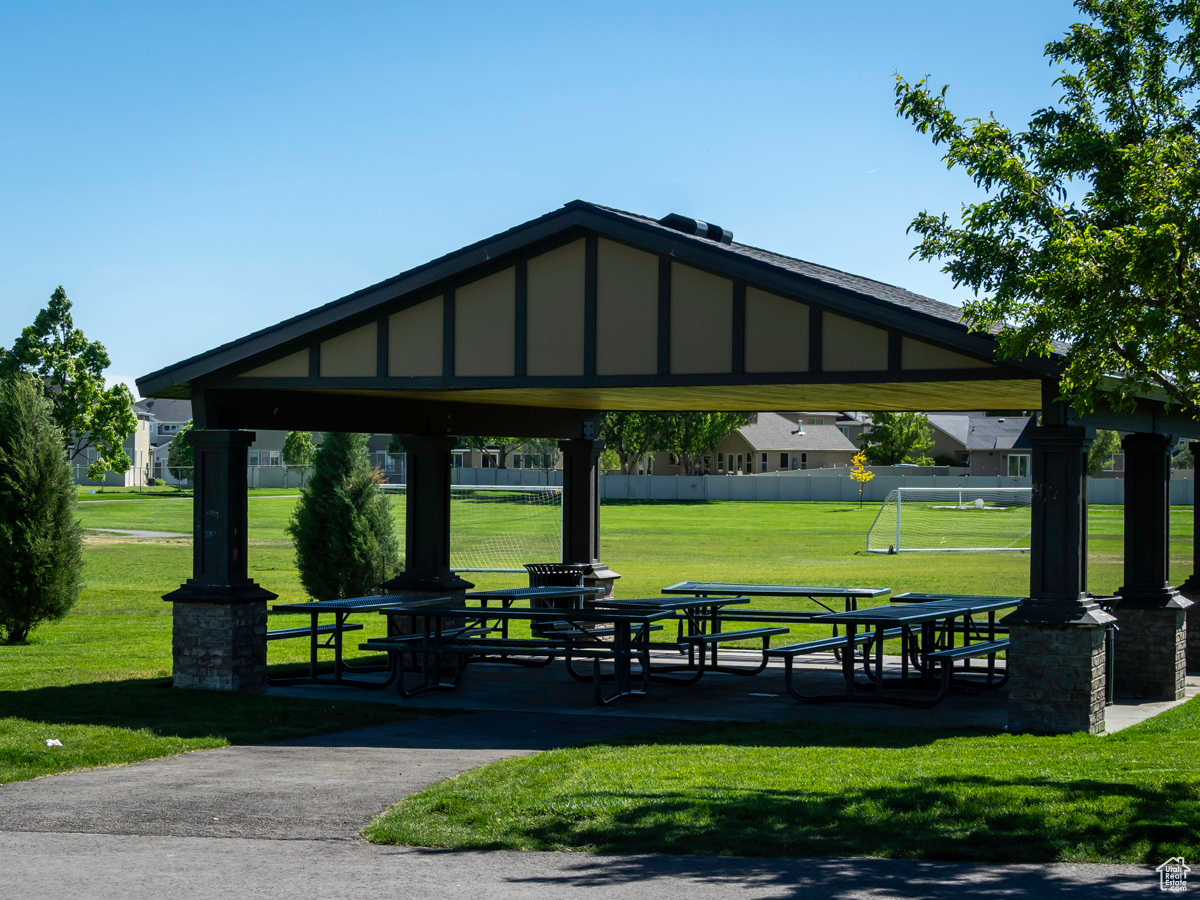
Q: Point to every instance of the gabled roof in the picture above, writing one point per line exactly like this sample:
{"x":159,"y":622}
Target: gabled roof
{"x":956,"y":427}
{"x":865,"y":287}
{"x":773,"y":432}
{"x":985,"y":432}
{"x":166,"y":409}
{"x":882,"y":305}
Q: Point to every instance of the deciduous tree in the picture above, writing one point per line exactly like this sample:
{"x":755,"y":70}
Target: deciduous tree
{"x":545,"y":452}
{"x":70,"y":370}
{"x":860,"y":474}
{"x":503,"y":445}
{"x":632,"y":435}
{"x":898,"y":438}
{"x":41,"y":542}
{"x":1090,"y":232}
{"x":298,"y":450}
{"x":692,"y":435}
{"x":1101,"y":452}
{"x":181,"y":458}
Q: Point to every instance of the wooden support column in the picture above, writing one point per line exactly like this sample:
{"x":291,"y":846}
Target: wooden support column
{"x":427,"y":519}
{"x":220,"y":615}
{"x":1191,"y":588}
{"x":1057,"y":655}
{"x":581,"y":510}
{"x":1150,"y":650}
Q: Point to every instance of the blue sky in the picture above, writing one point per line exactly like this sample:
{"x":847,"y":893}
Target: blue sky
{"x":194,"y":172}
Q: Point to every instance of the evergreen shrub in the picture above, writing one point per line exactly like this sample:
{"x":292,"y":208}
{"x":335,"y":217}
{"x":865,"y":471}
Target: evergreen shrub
{"x":342,"y":527}
{"x":41,"y":541}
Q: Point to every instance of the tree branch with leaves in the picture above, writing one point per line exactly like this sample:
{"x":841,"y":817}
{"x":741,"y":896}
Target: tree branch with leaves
{"x":70,"y":370}
{"x":1089,"y":240}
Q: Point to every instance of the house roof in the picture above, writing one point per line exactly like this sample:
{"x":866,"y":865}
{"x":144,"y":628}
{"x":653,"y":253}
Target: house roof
{"x":985,"y":432}
{"x":956,"y":427}
{"x":773,"y":432}
{"x":166,"y":409}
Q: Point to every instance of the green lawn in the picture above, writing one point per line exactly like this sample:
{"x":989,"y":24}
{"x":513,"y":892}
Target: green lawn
{"x":819,"y":790}
{"x":96,"y":681}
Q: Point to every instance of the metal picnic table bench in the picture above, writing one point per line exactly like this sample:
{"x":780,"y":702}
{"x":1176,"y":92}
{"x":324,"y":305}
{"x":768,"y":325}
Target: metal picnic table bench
{"x":341,"y":610}
{"x":573,"y":636}
{"x":932,"y":616}
{"x":692,"y":612}
{"x":817,"y":594}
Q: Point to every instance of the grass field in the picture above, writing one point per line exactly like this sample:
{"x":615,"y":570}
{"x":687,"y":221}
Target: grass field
{"x":803,"y":789}
{"x":98,"y":680}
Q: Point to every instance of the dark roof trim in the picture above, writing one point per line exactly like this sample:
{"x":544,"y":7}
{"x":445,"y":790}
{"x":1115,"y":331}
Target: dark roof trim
{"x":736,"y":261}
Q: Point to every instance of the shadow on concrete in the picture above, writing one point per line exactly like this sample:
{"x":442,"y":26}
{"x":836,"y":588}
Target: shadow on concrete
{"x":834,"y":879}
{"x":153,"y":704}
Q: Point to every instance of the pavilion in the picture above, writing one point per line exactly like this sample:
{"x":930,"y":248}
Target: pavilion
{"x":538,"y":330}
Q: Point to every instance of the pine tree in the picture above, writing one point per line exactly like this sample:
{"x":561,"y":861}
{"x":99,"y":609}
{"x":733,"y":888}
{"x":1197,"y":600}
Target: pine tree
{"x":41,"y":541}
{"x":342,"y":527}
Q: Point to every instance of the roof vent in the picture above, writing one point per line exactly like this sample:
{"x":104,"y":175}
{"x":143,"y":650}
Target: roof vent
{"x":700,"y":229}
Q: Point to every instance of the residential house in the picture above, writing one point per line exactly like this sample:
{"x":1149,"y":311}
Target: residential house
{"x":137,"y":447}
{"x":851,"y":424}
{"x":986,"y":445}
{"x":166,"y":418}
{"x":774,"y":442}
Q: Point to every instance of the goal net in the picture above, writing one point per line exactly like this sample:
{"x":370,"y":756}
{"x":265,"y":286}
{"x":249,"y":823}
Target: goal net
{"x":965,"y":519}
{"x":497,"y":528}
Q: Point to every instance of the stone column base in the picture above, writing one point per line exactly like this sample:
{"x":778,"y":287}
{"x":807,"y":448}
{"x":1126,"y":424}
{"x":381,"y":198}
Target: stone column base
{"x":1192,"y":626}
{"x":220,"y":646}
{"x":1149,"y":654}
{"x":601,"y":575}
{"x":1056,"y":684}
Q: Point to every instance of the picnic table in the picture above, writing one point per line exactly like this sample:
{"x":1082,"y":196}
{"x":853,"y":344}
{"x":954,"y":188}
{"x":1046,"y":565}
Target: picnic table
{"x":849,"y":597}
{"x":568,"y":634}
{"x":341,"y":610}
{"x":539,"y":596}
{"x":931,"y":645}
{"x":696,"y":613}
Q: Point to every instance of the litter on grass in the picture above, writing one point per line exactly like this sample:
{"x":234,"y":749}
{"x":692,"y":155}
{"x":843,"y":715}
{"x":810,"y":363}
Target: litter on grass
{"x":53,"y":742}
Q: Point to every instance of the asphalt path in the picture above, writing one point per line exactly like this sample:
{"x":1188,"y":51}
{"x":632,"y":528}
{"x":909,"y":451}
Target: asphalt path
{"x":282,"y":821}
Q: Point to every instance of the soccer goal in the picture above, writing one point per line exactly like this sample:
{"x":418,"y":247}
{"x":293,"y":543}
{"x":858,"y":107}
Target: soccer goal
{"x":497,"y":528}
{"x":962,"y":519}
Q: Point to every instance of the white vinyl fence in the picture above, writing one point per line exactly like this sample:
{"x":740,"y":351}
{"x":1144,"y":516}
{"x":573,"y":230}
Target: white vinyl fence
{"x":829,"y":485}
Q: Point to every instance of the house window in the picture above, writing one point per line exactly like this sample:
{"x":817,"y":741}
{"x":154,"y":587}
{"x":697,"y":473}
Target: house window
{"x":845,"y":430}
{"x":720,"y":462}
{"x":1116,"y":464}
{"x":804,"y":460}
{"x":457,"y":459}
{"x":783,"y":462}
{"x":763,"y":463}
{"x":816,"y":421}
{"x":253,"y":458}
{"x":964,"y":457}
{"x":1018,"y":465}
{"x":739,"y":463}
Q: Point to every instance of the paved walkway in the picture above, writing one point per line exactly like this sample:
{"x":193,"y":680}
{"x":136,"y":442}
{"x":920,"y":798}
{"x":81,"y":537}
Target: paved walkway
{"x":105,"y":867}
{"x":125,"y":532}
{"x":282,"y":820}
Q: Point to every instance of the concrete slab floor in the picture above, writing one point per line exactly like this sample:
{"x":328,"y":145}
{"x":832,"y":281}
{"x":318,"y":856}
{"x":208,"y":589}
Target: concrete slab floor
{"x":717,"y":697}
